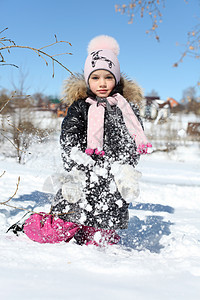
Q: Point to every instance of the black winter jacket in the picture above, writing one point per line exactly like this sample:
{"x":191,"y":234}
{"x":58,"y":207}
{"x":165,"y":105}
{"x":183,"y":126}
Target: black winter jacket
{"x":102,"y":205}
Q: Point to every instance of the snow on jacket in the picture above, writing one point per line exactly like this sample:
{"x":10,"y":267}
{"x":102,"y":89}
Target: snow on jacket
{"x":100,"y":204}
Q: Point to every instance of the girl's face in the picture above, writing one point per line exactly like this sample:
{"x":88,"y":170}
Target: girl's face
{"x":101,"y":83}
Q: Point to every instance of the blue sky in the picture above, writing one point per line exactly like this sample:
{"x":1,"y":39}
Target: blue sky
{"x":142,"y":58}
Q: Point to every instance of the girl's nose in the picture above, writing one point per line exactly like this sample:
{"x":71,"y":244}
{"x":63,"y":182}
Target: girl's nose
{"x":102,"y":82}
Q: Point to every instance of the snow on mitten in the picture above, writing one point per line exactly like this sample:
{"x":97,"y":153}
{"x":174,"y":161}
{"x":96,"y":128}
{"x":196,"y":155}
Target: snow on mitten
{"x":80,"y":157}
{"x":126,"y":179}
{"x":53,"y":183}
{"x":72,"y":189}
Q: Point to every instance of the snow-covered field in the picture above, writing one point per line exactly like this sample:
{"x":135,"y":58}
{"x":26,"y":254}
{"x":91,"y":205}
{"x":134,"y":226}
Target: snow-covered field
{"x":159,"y":255}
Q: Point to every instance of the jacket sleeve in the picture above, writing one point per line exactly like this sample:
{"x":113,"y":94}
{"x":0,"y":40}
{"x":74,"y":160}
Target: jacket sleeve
{"x":73,"y":134}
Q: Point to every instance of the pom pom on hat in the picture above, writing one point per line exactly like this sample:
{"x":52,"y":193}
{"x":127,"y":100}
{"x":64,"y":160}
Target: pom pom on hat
{"x":102,"y":55}
{"x":104,"y":42}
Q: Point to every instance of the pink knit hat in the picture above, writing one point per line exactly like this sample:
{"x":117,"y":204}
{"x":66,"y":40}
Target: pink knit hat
{"x":103,"y":51}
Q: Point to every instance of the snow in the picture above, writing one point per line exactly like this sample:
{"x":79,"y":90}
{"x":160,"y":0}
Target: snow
{"x":159,"y":254}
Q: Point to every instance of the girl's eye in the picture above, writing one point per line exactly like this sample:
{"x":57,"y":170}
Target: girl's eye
{"x":95,"y":78}
{"x":109,"y":77}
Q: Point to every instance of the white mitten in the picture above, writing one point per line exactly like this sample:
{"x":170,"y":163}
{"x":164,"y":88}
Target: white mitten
{"x":72,"y":189}
{"x":53,"y":183}
{"x":126,"y":179}
{"x":81,"y":157}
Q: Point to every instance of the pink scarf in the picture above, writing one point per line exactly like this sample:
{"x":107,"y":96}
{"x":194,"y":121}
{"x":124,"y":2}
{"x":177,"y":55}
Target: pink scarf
{"x":95,"y":128}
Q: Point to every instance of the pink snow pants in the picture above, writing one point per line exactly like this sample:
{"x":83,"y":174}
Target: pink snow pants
{"x":43,"y":228}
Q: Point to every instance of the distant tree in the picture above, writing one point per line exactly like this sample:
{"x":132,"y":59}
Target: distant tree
{"x":194,"y":106}
{"x":191,"y":101}
{"x":4,"y":110}
{"x":40,"y":99}
{"x":4,"y":99}
{"x":153,"y":93}
{"x":17,"y":124}
{"x":189,"y":94}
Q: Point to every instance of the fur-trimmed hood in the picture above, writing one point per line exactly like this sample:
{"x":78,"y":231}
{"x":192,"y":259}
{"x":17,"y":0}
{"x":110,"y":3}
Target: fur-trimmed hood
{"x":75,"y":88}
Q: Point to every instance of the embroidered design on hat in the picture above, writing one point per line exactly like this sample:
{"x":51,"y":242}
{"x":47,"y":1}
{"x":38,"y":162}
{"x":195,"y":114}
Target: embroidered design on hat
{"x":96,"y":57}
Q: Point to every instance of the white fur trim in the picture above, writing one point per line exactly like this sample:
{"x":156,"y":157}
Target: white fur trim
{"x":103,"y":42}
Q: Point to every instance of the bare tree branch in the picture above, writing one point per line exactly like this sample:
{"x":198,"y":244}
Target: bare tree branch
{"x":152,"y":9}
{"x":40,"y":54}
{"x":142,"y":7}
{"x":14,"y":192}
{"x":8,"y":44}
{"x":1,"y":109}
{"x":25,"y":209}
{"x":12,"y":65}
{"x":192,"y":46}
{"x":14,"y":96}
{"x":38,"y":213}
{"x":2,"y":174}
{"x":12,"y":143}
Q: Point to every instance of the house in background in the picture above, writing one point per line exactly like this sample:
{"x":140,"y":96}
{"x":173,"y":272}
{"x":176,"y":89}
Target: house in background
{"x":153,"y":108}
{"x":58,"y":107}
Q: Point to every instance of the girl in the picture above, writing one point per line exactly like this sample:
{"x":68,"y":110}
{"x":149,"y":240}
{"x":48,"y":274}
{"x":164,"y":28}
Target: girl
{"x":101,"y":139}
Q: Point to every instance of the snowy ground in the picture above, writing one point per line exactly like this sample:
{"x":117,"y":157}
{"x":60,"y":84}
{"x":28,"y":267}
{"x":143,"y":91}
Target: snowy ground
{"x":160,"y":253}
